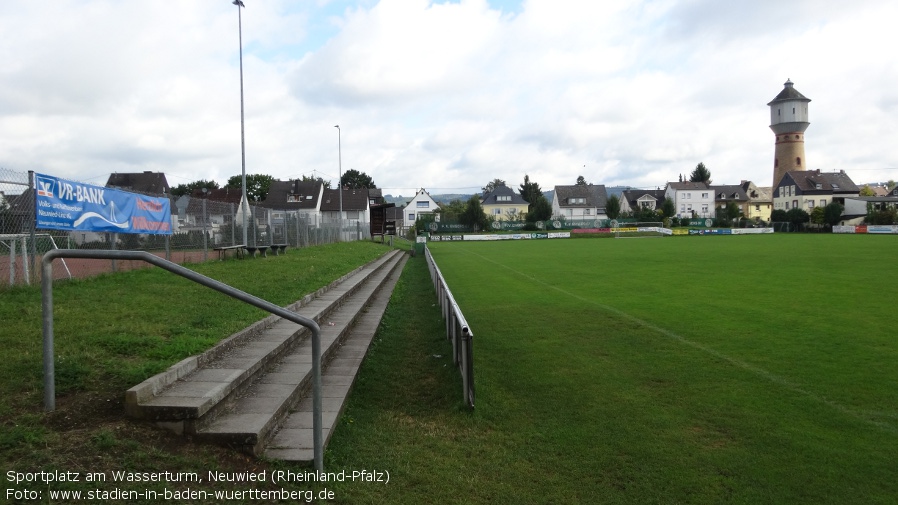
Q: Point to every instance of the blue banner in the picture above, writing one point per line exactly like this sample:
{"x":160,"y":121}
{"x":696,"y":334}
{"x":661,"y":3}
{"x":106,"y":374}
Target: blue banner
{"x":73,"y":206}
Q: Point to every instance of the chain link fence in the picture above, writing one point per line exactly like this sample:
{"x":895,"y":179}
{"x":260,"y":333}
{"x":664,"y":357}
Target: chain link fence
{"x":199,"y":226}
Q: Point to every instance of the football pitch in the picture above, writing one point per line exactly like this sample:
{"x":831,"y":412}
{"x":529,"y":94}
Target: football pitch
{"x":757,"y":369}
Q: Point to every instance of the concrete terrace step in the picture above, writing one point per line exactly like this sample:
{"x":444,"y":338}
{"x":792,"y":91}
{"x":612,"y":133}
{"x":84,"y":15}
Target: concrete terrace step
{"x":294,"y":440}
{"x":196,"y":386}
{"x":248,"y":421}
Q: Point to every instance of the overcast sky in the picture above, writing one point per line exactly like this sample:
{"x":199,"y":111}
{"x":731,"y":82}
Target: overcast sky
{"x":445,"y":95}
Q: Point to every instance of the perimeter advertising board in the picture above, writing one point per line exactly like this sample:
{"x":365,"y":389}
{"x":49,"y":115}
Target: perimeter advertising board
{"x":72,"y":206}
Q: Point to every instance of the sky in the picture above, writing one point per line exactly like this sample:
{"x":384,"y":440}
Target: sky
{"x":444,"y":95}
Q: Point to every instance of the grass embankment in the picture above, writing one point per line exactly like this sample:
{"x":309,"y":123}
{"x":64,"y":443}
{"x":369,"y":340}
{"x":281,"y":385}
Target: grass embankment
{"x":113,"y":332}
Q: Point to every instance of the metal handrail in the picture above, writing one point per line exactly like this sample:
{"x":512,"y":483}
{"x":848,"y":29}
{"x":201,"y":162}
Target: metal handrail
{"x":457,"y":329}
{"x":47,"y":307}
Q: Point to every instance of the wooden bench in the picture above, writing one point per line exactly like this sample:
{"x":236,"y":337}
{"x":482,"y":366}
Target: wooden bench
{"x":261,"y":248}
{"x":279,"y":248}
{"x":222,"y":251}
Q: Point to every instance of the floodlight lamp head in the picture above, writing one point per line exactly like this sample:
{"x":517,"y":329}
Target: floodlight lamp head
{"x":238,"y":3}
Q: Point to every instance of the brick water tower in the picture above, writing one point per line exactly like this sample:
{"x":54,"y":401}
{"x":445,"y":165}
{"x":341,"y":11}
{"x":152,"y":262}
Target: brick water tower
{"x":788,"y":120}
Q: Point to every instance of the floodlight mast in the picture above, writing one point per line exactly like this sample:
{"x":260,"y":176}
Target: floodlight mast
{"x":244,"y":202}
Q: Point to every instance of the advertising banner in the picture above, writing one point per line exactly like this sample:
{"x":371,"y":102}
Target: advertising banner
{"x":72,"y":206}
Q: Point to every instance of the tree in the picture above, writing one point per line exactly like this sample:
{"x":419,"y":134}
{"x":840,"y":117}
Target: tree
{"x":890,"y":185}
{"x":186,"y":189}
{"x":530,"y":192}
{"x":451,"y":211}
{"x":866,"y":191}
{"x":797,"y":217}
{"x":612,"y":207}
{"x":473,"y":215}
{"x":541,"y":210}
{"x":490,"y":186}
{"x":832,"y":213}
{"x":732,"y":211}
{"x":581,"y":181}
{"x":700,"y":174}
{"x":320,"y":180}
{"x":817,"y":215}
{"x":353,"y":179}
{"x":779,"y":216}
{"x":256,"y":185}
{"x":668,"y":209}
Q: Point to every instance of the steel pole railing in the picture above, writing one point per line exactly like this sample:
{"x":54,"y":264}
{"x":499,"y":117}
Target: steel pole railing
{"x":47,"y":308}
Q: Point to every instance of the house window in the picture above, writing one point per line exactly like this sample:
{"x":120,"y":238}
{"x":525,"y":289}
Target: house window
{"x":577,"y":201}
{"x":352,"y":214}
{"x":422,"y":205}
{"x":798,"y":162}
{"x":794,"y":204}
{"x":587,"y":212}
{"x":705,"y":208}
{"x":503,"y":198}
{"x":786,"y":205}
{"x":682,"y":207}
{"x":411,"y":216}
{"x":810,"y":204}
{"x":689,"y":207}
{"x":823,"y":203}
{"x":704,"y":196}
{"x":757,"y":208}
{"x":687,"y":196}
{"x":496,"y":212}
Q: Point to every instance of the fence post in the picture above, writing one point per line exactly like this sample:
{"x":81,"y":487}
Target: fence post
{"x":31,"y":217}
{"x":205,"y":245}
{"x":233,"y":225}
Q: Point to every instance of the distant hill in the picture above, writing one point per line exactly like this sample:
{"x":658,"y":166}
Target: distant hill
{"x":441,"y":199}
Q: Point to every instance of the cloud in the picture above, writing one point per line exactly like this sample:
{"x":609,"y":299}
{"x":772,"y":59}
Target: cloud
{"x":444,"y":94}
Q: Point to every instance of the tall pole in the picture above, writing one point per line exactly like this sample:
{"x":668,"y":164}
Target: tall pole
{"x":340,"y":177}
{"x":243,"y":204}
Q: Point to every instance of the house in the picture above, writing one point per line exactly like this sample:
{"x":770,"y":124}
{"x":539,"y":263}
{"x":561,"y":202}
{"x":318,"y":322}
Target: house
{"x":731,"y":193}
{"x":504,"y":204}
{"x":634,"y":200}
{"x":857,"y":207}
{"x":146,"y":183}
{"x":295,"y":197}
{"x":691,"y":199}
{"x":420,"y":204}
{"x":16,"y":212}
{"x":210,"y":210}
{"x":351,"y":206}
{"x":580,"y":202}
{"x":760,"y":201}
{"x":806,"y":189}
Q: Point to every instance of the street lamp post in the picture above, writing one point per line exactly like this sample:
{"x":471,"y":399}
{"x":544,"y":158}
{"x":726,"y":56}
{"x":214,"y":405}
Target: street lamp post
{"x":340,"y":178}
{"x":243,"y":204}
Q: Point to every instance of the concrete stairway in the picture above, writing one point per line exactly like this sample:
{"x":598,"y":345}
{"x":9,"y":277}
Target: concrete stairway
{"x":252,"y":391}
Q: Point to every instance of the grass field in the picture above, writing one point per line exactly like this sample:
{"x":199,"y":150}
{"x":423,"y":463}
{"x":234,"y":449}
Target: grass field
{"x":671,"y":370}
{"x":685,"y":370}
